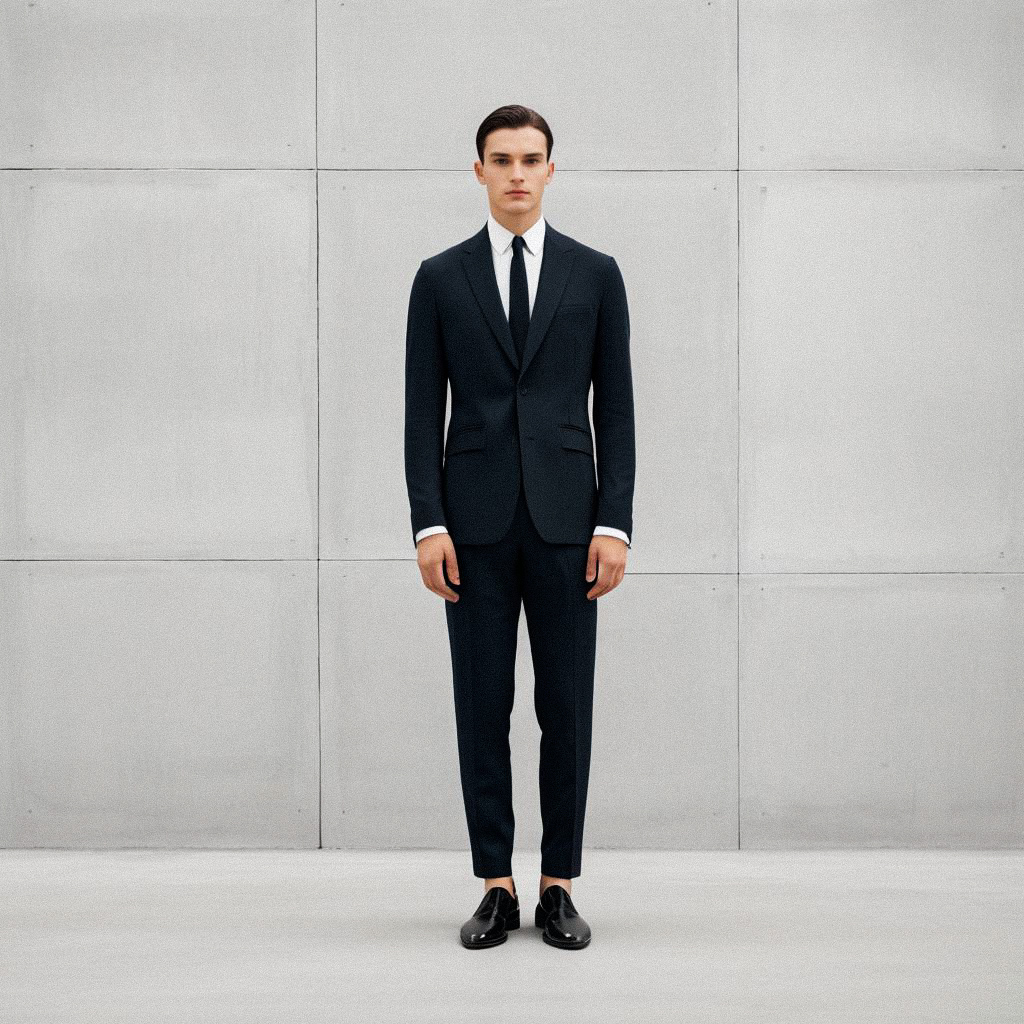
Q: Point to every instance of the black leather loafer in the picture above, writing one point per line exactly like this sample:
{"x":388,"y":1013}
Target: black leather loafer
{"x":563,"y":926}
{"x":497,"y":915}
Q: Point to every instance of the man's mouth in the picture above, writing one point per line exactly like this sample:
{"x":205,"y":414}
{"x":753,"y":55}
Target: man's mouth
{"x":518,"y":192}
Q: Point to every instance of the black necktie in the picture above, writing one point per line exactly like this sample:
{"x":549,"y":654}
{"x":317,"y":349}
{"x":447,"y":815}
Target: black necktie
{"x":518,"y":298}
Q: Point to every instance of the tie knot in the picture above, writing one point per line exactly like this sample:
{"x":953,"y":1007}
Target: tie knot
{"x":517,"y":243}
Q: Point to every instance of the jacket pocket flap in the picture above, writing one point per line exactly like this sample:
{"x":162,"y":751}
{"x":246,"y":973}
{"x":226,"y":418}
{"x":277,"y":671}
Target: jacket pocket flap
{"x":576,"y":438}
{"x":466,"y":439}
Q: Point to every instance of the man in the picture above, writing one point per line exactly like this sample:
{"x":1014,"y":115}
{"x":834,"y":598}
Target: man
{"x":507,"y":511}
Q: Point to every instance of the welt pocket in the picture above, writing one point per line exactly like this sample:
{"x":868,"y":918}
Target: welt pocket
{"x":574,"y":308}
{"x":467,"y":426}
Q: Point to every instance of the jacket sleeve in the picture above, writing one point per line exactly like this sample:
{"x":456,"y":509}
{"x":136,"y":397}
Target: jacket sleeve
{"x":426,"y":400}
{"x":613,"y":406}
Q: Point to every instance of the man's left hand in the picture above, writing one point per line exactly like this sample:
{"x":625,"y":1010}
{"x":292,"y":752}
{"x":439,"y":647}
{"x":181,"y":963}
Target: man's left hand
{"x":607,"y":561}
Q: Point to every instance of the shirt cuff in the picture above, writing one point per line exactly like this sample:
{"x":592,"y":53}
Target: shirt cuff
{"x":610,"y":531}
{"x":427,"y":531}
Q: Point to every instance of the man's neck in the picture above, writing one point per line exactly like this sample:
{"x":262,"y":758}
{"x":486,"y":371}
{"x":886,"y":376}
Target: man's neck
{"x":517,"y":225}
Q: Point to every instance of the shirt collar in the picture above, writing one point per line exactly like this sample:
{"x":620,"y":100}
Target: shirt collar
{"x":501,"y":237}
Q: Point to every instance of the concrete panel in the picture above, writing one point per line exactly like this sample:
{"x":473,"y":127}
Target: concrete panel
{"x":158,"y":704}
{"x":881,"y":711}
{"x":876,"y":84}
{"x":665,"y":759}
{"x":674,"y":237}
{"x":880,"y":369}
{"x":145,"y":83}
{"x":159,"y":351}
{"x":663,"y":770}
{"x":643,"y":85}
{"x":389,"y":757}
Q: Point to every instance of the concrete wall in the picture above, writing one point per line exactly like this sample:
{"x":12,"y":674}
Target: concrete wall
{"x":212,"y":628}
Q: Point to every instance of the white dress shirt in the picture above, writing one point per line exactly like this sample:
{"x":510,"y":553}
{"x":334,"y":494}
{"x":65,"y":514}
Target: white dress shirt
{"x":533,"y":253}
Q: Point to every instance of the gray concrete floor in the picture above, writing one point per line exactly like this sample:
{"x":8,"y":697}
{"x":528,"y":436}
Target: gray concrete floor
{"x":271,"y":935}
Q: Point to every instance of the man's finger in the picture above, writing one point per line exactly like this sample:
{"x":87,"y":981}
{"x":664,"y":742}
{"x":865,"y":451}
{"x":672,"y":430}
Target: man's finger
{"x":440,"y":587}
{"x":601,"y":586}
{"x":453,"y":566}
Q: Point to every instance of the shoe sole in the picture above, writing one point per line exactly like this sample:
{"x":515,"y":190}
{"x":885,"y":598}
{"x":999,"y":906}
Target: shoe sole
{"x":564,"y":945}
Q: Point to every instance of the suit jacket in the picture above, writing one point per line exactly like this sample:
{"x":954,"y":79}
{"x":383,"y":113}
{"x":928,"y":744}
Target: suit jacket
{"x":515,"y":424}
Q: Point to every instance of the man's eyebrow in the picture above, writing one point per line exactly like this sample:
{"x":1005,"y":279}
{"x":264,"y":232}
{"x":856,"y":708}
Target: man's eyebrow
{"x":497,"y":153}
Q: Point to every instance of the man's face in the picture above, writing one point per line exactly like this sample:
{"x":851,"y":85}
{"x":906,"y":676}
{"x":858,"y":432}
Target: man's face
{"x":515,"y":170}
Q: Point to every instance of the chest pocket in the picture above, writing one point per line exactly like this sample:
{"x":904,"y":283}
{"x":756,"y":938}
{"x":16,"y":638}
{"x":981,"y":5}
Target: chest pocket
{"x":575,"y":310}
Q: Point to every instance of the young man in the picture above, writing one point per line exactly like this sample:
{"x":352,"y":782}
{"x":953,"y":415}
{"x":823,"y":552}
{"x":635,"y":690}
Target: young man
{"x":507,"y":511}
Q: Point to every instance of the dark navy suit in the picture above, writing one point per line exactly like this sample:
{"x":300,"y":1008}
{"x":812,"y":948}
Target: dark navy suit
{"x":514,"y":484}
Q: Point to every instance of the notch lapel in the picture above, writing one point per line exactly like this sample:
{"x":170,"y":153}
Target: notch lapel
{"x":479,"y":267}
{"x":559,"y":255}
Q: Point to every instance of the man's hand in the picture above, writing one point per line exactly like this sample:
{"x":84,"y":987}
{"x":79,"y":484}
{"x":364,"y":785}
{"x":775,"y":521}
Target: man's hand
{"x":607,"y":561}
{"x":433,"y":554}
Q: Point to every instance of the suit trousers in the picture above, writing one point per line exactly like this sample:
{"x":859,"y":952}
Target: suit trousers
{"x":549,"y":581}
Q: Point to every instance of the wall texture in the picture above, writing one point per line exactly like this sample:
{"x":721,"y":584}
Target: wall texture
{"x":212,"y":631}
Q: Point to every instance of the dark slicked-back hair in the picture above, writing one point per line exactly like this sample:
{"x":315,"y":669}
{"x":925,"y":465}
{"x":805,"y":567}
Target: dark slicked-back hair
{"x":511,"y":116}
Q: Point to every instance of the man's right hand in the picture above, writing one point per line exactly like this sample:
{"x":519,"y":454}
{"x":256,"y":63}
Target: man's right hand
{"x":433,"y":555}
